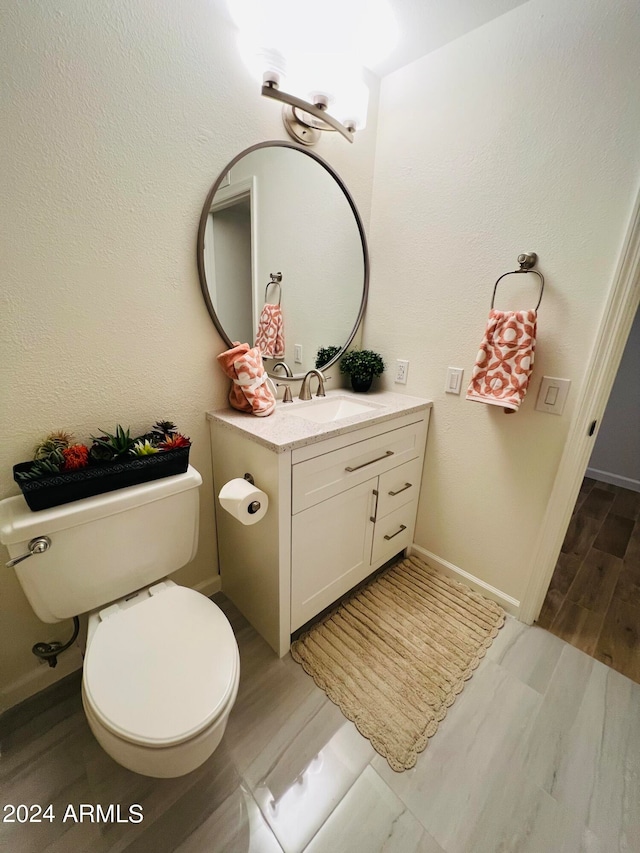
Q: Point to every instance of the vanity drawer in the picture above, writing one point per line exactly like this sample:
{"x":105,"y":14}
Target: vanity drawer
{"x":394,"y":532}
{"x":320,"y":478}
{"x":399,"y":486}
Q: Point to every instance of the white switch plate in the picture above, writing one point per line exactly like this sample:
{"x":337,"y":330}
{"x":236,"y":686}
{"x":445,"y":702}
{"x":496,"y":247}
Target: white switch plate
{"x":297,"y":353}
{"x":552,"y":395}
{"x":453,"y":384}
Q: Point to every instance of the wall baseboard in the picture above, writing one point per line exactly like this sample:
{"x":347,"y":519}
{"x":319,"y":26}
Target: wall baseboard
{"x":613,"y":479}
{"x":39,"y":677}
{"x":511,"y":605}
{"x":209,"y":586}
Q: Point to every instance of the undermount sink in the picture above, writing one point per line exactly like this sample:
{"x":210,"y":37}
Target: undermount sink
{"x":322,"y":411}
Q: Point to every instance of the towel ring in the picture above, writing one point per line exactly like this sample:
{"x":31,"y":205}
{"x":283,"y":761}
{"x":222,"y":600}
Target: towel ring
{"x":527,"y":261}
{"x":276,"y":278}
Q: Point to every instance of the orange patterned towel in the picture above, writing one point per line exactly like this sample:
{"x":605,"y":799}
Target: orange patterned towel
{"x":270,"y":335}
{"x":503,"y":366}
{"x":250,"y":389}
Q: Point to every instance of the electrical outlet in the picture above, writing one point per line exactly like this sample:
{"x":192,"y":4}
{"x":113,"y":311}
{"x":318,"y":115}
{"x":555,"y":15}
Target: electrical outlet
{"x":402,"y":368}
{"x":297,"y":353}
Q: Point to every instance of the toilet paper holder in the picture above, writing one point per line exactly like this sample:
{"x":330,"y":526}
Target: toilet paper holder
{"x":254,"y":506}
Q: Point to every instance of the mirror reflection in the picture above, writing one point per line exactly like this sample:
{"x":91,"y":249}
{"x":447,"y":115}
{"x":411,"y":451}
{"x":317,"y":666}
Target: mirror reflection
{"x":282,"y":257}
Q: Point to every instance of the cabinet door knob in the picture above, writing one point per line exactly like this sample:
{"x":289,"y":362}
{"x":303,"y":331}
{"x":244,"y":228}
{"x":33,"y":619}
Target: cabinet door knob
{"x":403,"y":489}
{"x":402,"y":527}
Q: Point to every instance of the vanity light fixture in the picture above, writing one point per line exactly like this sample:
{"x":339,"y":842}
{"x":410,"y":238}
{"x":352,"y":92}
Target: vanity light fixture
{"x":313,"y":63}
{"x":304,"y":120}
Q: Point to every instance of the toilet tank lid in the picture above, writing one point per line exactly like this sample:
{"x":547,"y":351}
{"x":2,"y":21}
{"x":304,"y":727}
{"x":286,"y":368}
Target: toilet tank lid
{"x":20,"y":524}
{"x":159,"y":672}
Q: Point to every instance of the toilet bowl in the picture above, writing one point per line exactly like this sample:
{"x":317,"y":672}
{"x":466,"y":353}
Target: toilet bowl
{"x":161,"y":666}
{"x":160,"y":678}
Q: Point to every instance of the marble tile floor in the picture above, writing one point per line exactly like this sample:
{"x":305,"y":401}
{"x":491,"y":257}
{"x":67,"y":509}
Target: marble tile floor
{"x":540,"y":753}
{"x":593,"y":601}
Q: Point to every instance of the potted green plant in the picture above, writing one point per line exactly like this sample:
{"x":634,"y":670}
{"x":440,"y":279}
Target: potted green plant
{"x":325,"y":354}
{"x":63,"y":470}
{"x":362,"y":365}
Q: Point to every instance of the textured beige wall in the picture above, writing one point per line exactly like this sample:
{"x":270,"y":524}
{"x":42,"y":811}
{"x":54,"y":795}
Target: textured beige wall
{"x":117,"y":118}
{"x":523,"y":135}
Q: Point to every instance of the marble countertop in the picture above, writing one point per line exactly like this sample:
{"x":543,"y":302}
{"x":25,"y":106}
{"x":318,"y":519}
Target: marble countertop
{"x":282,"y":431}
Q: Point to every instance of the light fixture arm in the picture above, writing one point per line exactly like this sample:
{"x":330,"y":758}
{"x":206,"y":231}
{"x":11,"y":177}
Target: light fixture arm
{"x":271,"y":90}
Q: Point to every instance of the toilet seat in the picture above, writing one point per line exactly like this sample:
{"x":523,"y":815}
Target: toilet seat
{"x":161,"y":666}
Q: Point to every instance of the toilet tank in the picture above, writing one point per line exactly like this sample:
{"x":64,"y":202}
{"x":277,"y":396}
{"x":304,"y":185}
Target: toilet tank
{"x":104,"y":547}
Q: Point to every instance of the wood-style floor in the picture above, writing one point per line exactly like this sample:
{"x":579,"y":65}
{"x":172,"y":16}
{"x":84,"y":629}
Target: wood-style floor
{"x":594,"y":598}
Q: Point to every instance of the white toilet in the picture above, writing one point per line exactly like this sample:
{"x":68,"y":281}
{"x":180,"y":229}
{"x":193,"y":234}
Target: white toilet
{"x":161,"y":666}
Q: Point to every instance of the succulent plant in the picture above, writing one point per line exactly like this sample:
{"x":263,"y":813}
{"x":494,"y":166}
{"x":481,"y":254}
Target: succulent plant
{"x":143,"y":447}
{"x":49,"y":465}
{"x":161,"y":429}
{"x":120,"y":442}
{"x":63,"y":436}
{"x":57,"y":440}
{"x":172,"y":442}
{"x":59,"y":452}
{"x":101,"y":450}
{"x":75,"y":456}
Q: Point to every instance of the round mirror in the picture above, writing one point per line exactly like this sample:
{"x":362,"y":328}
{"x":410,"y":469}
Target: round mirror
{"x":282,"y":257}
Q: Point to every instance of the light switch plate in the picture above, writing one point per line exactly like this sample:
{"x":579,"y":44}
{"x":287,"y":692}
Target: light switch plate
{"x":297,"y":353}
{"x":453,"y":385}
{"x":552,"y":395}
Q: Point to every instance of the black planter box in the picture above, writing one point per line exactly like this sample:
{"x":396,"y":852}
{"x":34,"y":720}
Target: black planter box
{"x":66,"y":486}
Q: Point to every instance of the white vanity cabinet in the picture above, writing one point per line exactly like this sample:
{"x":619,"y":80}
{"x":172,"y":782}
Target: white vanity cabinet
{"x":352,"y":509}
{"x":340,"y":506}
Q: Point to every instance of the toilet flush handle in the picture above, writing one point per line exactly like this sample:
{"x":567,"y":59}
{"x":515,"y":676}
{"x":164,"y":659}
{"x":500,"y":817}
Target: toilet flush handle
{"x":36,"y":546}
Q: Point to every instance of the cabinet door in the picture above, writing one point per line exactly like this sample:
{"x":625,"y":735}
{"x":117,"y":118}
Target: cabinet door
{"x":331,"y":550}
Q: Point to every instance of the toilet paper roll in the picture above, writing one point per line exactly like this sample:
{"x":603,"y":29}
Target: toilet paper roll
{"x":244,"y":501}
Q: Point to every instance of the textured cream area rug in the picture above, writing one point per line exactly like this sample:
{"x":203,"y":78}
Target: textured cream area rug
{"x":395,"y":655}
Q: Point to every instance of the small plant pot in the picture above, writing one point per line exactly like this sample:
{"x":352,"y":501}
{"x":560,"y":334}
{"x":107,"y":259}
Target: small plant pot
{"x":361,"y":385}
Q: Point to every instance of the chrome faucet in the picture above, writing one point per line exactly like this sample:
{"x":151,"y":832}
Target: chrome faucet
{"x":287,"y":369}
{"x":305,"y":388}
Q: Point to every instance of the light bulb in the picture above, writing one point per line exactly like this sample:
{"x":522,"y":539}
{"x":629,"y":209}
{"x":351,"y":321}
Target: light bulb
{"x":263,"y":63}
{"x":366,"y":30}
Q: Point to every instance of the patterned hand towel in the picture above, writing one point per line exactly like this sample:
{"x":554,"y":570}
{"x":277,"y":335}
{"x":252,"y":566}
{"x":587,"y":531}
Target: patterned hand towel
{"x":505,"y":360}
{"x":250,"y":390}
{"x":270,"y":335}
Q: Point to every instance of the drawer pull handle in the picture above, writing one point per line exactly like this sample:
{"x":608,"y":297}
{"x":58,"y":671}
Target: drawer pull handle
{"x":403,"y":489}
{"x":402,"y":527}
{"x":364,"y":464}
